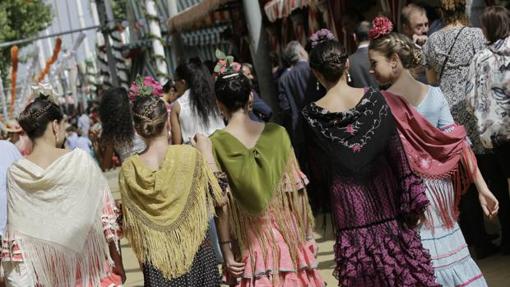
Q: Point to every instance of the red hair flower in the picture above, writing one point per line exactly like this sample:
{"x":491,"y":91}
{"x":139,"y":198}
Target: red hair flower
{"x":381,"y":26}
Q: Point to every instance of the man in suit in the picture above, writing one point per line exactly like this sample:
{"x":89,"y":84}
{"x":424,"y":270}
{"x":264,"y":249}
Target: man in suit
{"x":359,"y":69}
{"x":298,"y":87}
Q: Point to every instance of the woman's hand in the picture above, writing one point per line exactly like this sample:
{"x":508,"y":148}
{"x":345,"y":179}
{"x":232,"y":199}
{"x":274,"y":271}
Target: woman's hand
{"x":234,"y":268}
{"x":203,"y":144}
{"x":119,"y":270}
{"x":489,"y":203}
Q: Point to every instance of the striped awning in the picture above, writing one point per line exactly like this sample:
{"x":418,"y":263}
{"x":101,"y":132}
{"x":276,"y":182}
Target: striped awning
{"x":202,"y":37}
{"x":185,"y":4}
{"x":277,"y":9}
{"x":193,"y":15}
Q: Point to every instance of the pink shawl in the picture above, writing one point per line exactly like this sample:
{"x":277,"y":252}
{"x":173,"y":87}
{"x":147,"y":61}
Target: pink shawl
{"x":434,"y":153}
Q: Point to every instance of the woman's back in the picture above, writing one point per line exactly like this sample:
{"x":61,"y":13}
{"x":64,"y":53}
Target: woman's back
{"x":191,"y":123}
{"x":454,"y":79}
{"x":435,"y":108}
{"x":73,"y":231}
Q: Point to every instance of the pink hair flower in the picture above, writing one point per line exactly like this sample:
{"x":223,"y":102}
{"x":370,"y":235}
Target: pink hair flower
{"x":320,"y":36}
{"x":147,"y":86}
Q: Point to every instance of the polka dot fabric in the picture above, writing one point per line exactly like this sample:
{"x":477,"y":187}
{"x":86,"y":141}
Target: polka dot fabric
{"x":203,"y":272}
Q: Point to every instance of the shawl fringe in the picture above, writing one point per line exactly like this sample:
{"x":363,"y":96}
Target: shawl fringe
{"x":55,"y":265}
{"x":292,"y":213}
{"x":171,"y":249}
{"x":461,"y":178}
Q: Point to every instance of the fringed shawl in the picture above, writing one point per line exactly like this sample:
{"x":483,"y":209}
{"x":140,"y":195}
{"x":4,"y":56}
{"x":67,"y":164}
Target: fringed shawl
{"x":264,"y":181}
{"x":55,"y":217}
{"x":435,"y":154}
{"x":167,"y":212}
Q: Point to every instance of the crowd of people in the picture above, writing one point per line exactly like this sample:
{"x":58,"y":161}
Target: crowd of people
{"x":405,"y":143}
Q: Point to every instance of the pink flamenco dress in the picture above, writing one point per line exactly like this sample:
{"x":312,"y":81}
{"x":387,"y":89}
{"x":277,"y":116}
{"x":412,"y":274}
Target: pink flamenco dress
{"x":273,"y":245}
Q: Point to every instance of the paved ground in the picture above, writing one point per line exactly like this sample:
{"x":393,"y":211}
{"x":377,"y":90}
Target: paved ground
{"x":496,"y":269}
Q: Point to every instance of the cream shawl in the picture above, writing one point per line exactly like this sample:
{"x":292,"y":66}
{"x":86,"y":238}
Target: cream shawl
{"x":54,"y":214}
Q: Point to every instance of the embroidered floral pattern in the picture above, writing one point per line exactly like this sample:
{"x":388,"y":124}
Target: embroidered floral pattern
{"x":364,"y":109}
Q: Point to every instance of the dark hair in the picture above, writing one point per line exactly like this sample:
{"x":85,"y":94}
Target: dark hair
{"x":396,"y":43}
{"x":453,"y":11}
{"x":362,"y":31}
{"x":150,"y":116}
{"x":37,"y":115}
{"x":201,"y":87}
{"x":233,"y":91}
{"x":170,"y":84}
{"x":495,"y":22}
{"x":329,"y":58}
{"x":116,"y":119}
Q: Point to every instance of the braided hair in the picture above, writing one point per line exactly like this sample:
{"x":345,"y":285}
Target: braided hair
{"x":396,"y":43}
{"x":149,"y":115}
{"x":37,"y":115}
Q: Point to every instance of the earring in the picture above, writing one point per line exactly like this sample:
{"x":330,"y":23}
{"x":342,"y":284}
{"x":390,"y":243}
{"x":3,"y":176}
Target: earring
{"x":349,"y":77}
{"x":318,"y":87}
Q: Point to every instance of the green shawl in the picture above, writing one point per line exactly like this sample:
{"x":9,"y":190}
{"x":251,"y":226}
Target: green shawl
{"x":254,"y":174}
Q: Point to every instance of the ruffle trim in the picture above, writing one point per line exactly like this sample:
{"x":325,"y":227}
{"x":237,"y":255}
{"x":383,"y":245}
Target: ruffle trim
{"x":259,"y":268}
{"x":382,"y":255}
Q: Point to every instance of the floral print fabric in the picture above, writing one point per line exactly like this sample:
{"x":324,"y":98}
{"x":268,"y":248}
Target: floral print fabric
{"x":488,"y":93}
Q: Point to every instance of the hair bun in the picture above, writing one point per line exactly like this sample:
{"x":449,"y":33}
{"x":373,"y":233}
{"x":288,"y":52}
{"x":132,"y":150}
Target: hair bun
{"x":321,"y":36}
{"x":381,"y":26}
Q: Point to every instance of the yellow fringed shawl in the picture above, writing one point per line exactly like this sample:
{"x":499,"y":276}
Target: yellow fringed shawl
{"x":167,"y":212}
{"x":284,"y":197}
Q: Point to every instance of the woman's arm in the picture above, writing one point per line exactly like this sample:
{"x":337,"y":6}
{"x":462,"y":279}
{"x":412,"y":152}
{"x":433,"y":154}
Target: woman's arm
{"x":106,"y":156}
{"x":175,"y":124}
{"x":236,"y":269}
{"x":116,"y":255}
{"x":488,"y":201}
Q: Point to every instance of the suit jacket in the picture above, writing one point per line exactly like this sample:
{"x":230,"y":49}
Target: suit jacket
{"x":297,"y":87}
{"x":360,"y":70}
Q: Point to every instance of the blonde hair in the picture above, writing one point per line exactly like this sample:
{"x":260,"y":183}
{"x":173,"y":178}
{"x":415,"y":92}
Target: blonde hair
{"x":396,"y":43}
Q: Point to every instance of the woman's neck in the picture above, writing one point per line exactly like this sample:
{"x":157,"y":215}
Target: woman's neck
{"x":239,"y":118}
{"x":455,"y":24}
{"x":338,"y":86}
{"x":157,"y":145}
{"x":155,"y":153}
{"x":43,"y":146}
{"x":408,"y":88}
{"x":340,"y":96}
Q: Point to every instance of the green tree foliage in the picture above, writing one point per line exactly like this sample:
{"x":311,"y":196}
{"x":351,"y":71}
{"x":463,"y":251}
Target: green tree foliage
{"x":20,"y":19}
{"x":119,"y":8}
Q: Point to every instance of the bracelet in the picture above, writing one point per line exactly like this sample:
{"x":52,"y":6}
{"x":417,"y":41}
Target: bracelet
{"x":225,"y":242}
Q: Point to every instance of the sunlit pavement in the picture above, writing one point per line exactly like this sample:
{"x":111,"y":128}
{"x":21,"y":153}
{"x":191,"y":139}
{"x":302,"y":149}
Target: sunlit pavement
{"x":496,"y":269}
